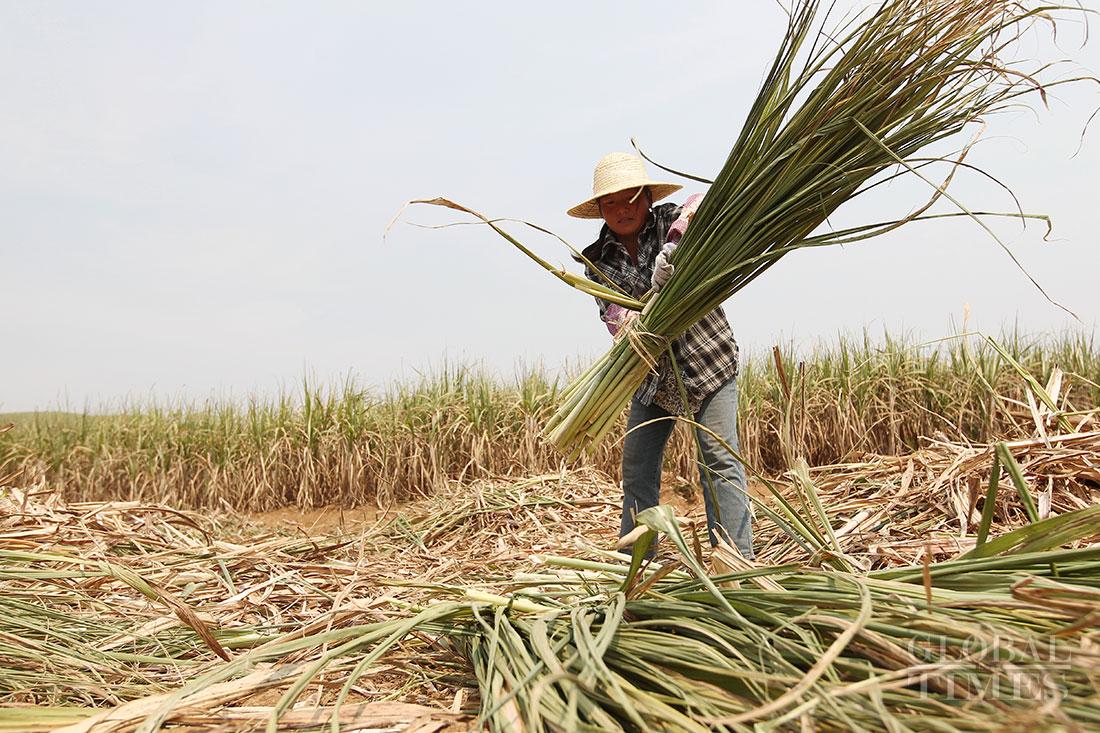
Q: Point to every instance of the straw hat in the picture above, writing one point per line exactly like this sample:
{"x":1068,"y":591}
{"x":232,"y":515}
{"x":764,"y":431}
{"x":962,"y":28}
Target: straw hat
{"x":619,"y":172}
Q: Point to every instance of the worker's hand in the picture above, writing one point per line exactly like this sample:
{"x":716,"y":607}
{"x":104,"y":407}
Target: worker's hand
{"x":617,"y":318}
{"x":662,"y":267}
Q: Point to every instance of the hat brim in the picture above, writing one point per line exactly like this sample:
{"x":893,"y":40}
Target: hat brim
{"x":590,"y":209}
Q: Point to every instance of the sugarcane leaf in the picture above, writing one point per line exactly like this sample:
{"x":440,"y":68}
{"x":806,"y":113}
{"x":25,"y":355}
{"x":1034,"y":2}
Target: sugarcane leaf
{"x":610,"y":292}
{"x":1043,"y":535}
{"x":1038,"y":389}
{"x":1017,"y":476}
{"x":990,"y":501}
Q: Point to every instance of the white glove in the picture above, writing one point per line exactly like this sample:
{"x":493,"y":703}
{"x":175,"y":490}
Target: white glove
{"x":662,"y":267}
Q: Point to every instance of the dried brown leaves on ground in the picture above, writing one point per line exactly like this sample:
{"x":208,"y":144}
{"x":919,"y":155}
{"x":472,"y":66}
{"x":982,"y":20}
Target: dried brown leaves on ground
{"x":118,"y":604}
{"x":892,"y":510}
{"x":113,"y":604}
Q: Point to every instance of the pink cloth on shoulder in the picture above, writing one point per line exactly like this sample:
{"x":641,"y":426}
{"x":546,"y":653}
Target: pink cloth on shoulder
{"x":686,"y":212}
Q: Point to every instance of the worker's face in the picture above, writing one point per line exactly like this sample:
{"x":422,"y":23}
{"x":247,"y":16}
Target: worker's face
{"x":625,"y":212}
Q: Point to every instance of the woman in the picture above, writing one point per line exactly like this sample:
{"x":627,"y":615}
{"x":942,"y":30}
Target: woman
{"x":634,"y":250}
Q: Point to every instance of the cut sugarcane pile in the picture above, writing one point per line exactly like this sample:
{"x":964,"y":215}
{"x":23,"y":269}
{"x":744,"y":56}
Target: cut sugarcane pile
{"x":980,"y":644}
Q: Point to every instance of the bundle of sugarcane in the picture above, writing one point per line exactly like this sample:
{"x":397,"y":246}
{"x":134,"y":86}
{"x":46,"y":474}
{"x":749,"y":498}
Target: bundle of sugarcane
{"x":988,"y":643}
{"x":827,"y":121}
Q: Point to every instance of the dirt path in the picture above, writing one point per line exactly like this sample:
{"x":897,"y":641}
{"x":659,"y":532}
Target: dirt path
{"x":684,"y":497}
{"x":326,"y":520}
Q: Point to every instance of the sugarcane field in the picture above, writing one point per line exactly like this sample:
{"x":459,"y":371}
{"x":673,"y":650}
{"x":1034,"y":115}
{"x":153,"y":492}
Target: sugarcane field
{"x":334,"y":399}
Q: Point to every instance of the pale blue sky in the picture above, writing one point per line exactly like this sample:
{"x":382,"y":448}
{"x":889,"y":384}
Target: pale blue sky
{"x":193,"y":195}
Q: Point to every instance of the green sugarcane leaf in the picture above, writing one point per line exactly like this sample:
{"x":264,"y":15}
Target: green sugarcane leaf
{"x":990,"y":501}
{"x":1017,"y":476}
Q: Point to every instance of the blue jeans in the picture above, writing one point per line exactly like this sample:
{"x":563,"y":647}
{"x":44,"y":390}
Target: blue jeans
{"x":722,"y":475}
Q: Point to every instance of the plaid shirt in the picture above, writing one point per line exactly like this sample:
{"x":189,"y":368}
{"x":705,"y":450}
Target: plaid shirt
{"x":706,"y":353}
